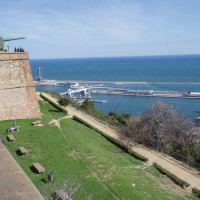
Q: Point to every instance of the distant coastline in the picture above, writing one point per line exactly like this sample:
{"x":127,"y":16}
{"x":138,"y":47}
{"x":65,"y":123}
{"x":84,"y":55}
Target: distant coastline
{"x":167,"y":73}
{"x":127,"y":82}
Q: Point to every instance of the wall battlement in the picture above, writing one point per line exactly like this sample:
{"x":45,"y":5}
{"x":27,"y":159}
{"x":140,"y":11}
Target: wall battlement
{"x":18,"y":98}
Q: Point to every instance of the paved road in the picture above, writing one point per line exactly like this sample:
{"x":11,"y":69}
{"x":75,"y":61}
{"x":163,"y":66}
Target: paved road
{"x":14,"y":183}
{"x":189,"y":175}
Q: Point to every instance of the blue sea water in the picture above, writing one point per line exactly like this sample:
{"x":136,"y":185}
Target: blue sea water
{"x":176,"y":73}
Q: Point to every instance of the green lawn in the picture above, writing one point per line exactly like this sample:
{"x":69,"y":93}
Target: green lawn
{"x":77,"y":151}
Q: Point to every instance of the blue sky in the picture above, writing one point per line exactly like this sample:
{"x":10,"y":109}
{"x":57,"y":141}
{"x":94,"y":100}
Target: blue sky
{"x":103,"y":28}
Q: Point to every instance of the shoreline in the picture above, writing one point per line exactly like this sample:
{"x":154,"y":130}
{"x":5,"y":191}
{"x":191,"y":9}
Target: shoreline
{"x":127,"y":82}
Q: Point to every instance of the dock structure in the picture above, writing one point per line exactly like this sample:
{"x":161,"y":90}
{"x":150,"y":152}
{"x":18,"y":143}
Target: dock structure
{"x":46,"y":82}
{"x":99,"y":89}
{"x":148,"y":93}
{"x":70,"y":92}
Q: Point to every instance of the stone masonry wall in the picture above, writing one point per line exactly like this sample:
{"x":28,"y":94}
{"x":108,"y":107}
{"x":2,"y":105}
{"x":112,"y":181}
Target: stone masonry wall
{"x":18,"y":98}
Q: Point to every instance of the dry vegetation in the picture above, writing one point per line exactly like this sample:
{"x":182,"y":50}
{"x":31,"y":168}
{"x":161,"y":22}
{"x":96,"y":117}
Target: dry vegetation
{"x":165,"y":130}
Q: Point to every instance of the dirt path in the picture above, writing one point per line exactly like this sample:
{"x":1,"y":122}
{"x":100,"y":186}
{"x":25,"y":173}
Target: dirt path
{"x":170,"y":164}
{"x":56,"y":122}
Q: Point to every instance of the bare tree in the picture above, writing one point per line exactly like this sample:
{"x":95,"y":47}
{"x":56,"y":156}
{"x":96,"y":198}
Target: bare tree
{"x":163,"y":129}
{"x":157,"y":118}
{"x":66,"y":192}
{"x":70,"y":186}
{"x":134,"y":130}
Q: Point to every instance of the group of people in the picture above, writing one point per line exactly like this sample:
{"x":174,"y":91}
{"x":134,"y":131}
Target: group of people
{"x":15,"y":49}
{"x":19,"y":49}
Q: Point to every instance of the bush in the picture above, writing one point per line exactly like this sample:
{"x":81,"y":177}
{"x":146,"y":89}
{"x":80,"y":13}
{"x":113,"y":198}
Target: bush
{"x":138,"y":156}
{"x":118,"y":143}
{"x":173,"y":177}
{"x":119,"y":120}
{"x":54,"y":104}
{"x":196,"y":192}
{"x":88,"y":107}
{"x":63,"y":101}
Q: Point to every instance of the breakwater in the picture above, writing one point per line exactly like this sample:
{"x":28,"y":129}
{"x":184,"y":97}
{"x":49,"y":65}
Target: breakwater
{"x":148,"y":93}
{"x":60,"y":82}
{"x":100,"y":89}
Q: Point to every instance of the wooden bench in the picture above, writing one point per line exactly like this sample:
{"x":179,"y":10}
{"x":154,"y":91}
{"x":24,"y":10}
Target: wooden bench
{"x":39,"y":168}
{"x":10,"y":137}
{"x":22,"y":150}
{"x":36,"y":123}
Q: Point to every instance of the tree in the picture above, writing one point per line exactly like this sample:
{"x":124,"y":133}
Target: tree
{"x":158,"y":118}
{"x":69,"y":187}
{"x":134,"y":130}
{"x":118,"y":119}
{"x":163,"y":129}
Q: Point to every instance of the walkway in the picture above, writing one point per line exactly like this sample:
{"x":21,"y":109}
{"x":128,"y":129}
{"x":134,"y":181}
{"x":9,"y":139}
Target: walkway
{"x":14,"y":183}
{"x":164,"y":161}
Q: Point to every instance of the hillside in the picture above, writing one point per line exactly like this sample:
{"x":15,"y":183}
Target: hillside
{"x":73,"y":151}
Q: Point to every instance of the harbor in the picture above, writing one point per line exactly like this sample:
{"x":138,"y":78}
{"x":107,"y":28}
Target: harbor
{"x":148,"y":93}
{"x":86,"y":89}
{"x":175,"y":87}
{"x":94,"y":90}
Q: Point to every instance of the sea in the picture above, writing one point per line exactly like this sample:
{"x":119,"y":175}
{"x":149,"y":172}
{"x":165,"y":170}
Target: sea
{"x":166,"y":73}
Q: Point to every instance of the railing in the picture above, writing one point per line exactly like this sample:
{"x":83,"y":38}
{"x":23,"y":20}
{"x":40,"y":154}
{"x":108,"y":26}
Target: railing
{"x":184,"y":160}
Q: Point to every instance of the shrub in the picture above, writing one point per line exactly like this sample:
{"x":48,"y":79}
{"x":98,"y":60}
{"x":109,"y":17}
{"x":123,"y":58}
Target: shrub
{"x":173,"y":177}
{"x":54,"y":104}
{"x":196,"y":192}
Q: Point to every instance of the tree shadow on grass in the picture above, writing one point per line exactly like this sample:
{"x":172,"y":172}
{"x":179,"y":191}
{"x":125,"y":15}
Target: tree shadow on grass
{"x":56,"y":111}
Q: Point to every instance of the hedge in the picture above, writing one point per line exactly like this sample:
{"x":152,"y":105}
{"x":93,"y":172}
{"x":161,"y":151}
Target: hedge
{"x":196,"y":192}
{"x":173,"y":177}
{"x":118,"y":143}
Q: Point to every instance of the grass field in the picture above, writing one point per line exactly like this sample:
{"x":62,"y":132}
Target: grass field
{"x":76,"y":151}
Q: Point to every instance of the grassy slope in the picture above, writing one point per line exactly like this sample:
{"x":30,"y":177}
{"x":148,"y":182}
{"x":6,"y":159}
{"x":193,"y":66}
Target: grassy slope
{"x":75,"y":150}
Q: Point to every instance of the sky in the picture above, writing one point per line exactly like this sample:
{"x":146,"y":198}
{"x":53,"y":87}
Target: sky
{"x":102,"y":28}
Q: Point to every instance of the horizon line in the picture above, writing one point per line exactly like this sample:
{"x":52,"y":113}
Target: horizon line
{"x":99,"y":57}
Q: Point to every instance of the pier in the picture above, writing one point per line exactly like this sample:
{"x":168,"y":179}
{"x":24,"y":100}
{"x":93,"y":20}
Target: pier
{"x":99,"y":89}
{"x":147,"y":93}
{"x":84,"y":92}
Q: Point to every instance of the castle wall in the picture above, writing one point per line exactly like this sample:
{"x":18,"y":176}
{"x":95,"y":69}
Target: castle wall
{"x":18,"y":98}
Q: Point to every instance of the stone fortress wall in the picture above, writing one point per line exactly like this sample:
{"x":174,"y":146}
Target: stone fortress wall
{"x":18,"y":99}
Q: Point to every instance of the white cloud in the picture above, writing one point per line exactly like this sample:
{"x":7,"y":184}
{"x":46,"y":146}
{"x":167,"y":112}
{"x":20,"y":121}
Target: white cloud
{"x":89,"y":24}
